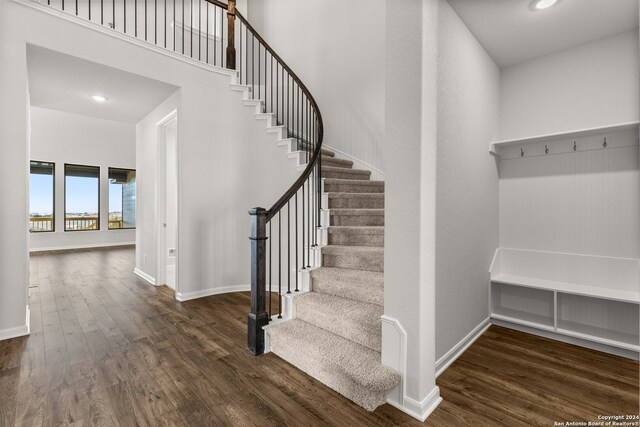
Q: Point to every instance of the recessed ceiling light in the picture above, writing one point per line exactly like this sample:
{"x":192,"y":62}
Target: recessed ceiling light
{"x":543,"y":4}
{"x":98,"y":98}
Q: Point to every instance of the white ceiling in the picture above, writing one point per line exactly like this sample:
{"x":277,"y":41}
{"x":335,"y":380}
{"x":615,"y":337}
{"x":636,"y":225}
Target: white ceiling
{"x":65,"y":83}
{"x":512,"y":32}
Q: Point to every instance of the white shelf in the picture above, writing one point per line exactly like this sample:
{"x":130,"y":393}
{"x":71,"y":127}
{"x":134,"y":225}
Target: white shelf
{"x":606,"y":341}
{"x":568,"y":288}
{"x":496,"y":147}
{"x":520,"y":321}
{"x":566,"y":294}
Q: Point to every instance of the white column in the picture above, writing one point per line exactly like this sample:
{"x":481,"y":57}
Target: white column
{"x":410,"y":196}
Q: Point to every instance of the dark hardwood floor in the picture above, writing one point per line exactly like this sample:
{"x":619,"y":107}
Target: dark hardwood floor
{"x":108,"y":349}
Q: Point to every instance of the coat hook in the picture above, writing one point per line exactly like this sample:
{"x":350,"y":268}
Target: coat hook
{"x":604,"y":144}
{"x":521,"y":152}
{"x":575,"y":146}
{"x":546,"y":149}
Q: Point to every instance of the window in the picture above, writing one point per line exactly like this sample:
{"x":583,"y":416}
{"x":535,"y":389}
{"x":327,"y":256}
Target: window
{"x":41,"y":197}
{"x":81,"y":198}
{"x":122,"y":198}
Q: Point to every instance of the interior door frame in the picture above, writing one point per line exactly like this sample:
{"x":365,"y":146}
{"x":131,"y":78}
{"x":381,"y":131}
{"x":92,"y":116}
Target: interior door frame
{"x":160,"y":199}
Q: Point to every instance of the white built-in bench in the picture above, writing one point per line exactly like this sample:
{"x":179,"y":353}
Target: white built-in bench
{"x":588,"y":297}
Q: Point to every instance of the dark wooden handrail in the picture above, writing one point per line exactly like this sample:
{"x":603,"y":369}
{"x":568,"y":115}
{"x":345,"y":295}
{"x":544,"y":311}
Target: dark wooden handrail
{"x":315,"y":156}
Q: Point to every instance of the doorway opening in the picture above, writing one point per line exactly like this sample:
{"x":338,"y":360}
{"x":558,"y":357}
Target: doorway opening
{"x":167,"y":202}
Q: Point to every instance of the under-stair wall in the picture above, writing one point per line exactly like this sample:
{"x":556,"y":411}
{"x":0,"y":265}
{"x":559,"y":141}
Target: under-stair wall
{"x":339,"y":52}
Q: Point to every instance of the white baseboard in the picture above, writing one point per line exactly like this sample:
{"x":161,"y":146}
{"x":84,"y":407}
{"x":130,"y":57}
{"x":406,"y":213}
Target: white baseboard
{"x":144,"y":276}
{"x":376,"y":174}
{"x":422,"y":409}
{"x":70,"y":247}
{"x":629,"y":354}
{"x":186,"y":296}
{"x":18,"y":331}
{"x":445,"y":361}
{"x":394,"y":355}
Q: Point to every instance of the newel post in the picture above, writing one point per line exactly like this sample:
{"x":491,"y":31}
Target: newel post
{"x":231,"y":40}
{"x":258,"y":316}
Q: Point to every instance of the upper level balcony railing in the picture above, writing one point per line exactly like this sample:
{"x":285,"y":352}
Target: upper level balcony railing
{"x":39,"y":224}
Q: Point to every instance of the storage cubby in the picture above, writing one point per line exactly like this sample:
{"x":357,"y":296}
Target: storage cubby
{"x":588,"y":297}
{"x":568,"y":262}
{"x":528,"y":306}
{"x":609,"y":322}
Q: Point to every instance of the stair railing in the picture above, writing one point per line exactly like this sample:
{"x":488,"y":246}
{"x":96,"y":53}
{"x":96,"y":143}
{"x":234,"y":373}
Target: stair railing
{"x":198,"y":29}
{"x":295,"y":216}
{"x":193,"y":28}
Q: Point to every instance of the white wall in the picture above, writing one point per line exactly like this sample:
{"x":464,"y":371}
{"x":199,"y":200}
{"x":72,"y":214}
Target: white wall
{"x":587,"y":202}
{"x":226,"y":165}
{"x":410,"y":199}
{"x":467,"y":180}
{"x":337,"y":49}
{"x":61,"y":138}
{"x":592,"y":85}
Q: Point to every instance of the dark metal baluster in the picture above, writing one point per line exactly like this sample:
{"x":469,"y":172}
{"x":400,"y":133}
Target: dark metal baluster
{"x":77,"y":7}
{"x":279,"y":264}
{"x":272,"y":87}
{"x":101,"y":11}
{"x":49,"y":2}
{"x":174,"y":25}
{"x":155,"y":22}
{"x":222,"y":37}
{"x":191,"y":28}
{"x":145,"y":20}
{"x":303,"y":229}
{"x":199,"y":30}
{"x":253,"y":66}
{"x":135,"y":17}
{"x":207,"y":43}
{"x":124,"y":6}
{"x":182,"y":25}
{"x":215,"y":32}
{"x":309,"y":223}
{"x":259,"y":74}
{"x":289,"y":247}
{"x":165,"y":24}
{"x":277,"y":91}
{"x":113,"y":13}
{"x":240,"y":57}
{"x":296,"y":240}
{"x":265,"y":80}
{"x":319,"y":183}
{"x":270,"y":271}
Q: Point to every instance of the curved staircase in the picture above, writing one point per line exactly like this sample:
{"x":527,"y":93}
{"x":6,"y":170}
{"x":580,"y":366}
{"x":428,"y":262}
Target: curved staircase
{"x":335,"y":331}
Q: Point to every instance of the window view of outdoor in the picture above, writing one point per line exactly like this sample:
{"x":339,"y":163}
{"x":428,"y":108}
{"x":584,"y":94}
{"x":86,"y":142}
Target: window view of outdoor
{"x":82,"y":195}
{"x":122,"y":198}
{"x":41,"y":196}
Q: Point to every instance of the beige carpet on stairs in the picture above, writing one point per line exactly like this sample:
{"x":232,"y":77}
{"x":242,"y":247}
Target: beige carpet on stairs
{"x":335,"y":335}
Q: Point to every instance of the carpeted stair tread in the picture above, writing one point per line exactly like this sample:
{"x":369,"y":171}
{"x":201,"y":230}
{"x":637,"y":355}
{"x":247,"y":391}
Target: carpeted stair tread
{"x":352,"y":186}
{"x":335,"y":162}
{"x":355,"y":229}
{"x":352,"y":370}
{"x":351,"y":319}
{"x":355,"y":235}
{"x":343,"y":173}
{"x":365,"y":286}
{"x":369,"y":258}
{"x":356,"y":200}
{"x":356,"y":217}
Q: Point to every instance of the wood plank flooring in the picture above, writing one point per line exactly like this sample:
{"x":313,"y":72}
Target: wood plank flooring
{"x":106,"y":348}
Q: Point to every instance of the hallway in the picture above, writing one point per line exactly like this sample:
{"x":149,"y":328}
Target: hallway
{"x":106,"y":348}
